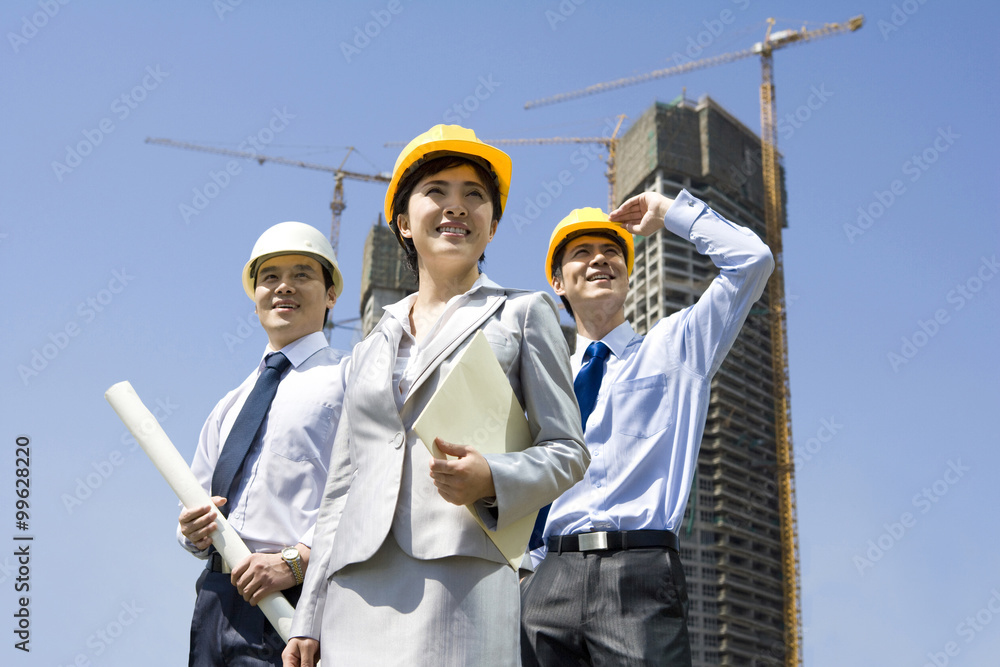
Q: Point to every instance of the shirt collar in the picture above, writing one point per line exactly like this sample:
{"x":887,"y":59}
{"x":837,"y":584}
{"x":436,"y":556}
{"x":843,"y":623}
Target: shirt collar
{"x":299,"y":350}
{"x":616,"y":340}
{"x":401,"y":309}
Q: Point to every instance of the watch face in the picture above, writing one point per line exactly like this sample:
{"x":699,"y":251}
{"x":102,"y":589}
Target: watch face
{"x":289,"y":553}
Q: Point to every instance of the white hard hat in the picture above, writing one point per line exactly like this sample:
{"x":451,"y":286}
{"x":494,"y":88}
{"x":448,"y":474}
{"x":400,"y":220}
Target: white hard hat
{"x":292,"y":238}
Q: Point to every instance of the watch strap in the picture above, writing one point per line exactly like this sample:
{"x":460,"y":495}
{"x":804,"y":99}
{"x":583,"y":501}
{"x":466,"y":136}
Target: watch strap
{"x":296,"y":566}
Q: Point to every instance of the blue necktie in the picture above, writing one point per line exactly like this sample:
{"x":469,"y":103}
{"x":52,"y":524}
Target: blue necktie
{"x":246,"y":426}
{"x":586,"y":385}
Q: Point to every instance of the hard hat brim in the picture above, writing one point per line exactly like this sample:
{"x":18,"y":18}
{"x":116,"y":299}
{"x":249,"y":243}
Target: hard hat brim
{"x":563,"y":233}
{"x":499,"y":162}
{"x":249,"y":273}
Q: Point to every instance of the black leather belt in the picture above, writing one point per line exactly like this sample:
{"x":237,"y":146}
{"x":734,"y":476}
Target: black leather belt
{"x":618,"y":541}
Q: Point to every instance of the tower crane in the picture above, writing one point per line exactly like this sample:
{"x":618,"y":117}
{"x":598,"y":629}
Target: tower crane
{"x":611,"y":143}
{"x":337,"y":205}
{"x":773,"y":216}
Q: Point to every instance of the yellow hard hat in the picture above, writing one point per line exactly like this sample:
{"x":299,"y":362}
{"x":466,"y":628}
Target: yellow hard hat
{"x":292,"y":238}
{"x":581,"y":221}
{"x":443,"y":140}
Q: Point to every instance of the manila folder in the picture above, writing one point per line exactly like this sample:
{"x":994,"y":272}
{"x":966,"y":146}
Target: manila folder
{"x":475,"y":405}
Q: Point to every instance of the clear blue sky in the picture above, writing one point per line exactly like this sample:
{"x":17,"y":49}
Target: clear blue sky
{"x":111,"y":282}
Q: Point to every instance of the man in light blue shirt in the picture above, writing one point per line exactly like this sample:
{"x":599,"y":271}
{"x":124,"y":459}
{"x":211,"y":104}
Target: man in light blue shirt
{"x":278,"y":466}
{"x":608,"y":587}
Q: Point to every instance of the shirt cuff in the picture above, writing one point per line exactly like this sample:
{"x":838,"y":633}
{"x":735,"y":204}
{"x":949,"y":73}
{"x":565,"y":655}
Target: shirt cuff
{"x":683,"y":213}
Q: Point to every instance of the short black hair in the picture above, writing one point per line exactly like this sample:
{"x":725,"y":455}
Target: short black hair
{"x":556,"y":268}
{"x":435,"y":166}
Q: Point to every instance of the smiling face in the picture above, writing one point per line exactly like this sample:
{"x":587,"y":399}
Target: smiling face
{"x":593,"y":275}
{"x":449,"y":218}
{"x":291,"y":298}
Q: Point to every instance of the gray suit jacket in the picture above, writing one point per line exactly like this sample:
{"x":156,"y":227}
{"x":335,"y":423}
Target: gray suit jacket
{"x":379,"y":472}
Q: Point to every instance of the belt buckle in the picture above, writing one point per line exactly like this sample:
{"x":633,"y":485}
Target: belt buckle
{"x":593,"y":541}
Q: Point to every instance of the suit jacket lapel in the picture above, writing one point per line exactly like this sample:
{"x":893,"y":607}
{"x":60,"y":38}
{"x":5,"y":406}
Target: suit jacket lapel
{"x":463,"y":323}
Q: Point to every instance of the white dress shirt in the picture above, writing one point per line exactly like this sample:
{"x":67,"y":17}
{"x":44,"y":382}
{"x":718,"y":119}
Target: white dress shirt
{"x":646,"y":427}
{"x":281,"y":484}
{"x":403,"y":373}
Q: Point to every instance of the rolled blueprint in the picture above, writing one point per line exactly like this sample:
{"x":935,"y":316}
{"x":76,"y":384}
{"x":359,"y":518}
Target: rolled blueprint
{"x":151,"y":437}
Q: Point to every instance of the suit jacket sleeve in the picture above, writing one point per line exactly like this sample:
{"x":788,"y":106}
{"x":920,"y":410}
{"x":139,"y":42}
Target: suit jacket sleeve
{"x":528,"y":480}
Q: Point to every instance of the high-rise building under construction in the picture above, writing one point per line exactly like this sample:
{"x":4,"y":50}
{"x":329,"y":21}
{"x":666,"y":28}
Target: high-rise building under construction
{"x":730,"y":538}
{"x":385,"y":277}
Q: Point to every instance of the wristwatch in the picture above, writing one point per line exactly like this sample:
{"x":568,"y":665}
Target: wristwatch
{"x":293,"y":560}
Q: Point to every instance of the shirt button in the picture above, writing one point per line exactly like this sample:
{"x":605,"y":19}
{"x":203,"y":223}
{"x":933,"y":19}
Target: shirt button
{"x":690,"y":203}
{"x":397,"y":440}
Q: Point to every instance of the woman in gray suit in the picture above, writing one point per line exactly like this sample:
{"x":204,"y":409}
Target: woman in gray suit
{"x":401,"y":573}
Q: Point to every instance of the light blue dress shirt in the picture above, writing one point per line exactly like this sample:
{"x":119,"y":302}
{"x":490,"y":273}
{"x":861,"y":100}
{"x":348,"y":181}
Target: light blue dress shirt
{"x":281,"y":486}
{"x":646,"y":427}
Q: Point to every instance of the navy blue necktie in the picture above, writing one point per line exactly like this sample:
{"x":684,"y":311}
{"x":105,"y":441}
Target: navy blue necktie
{"x":586,"y":385}
{"x":246,"y":426}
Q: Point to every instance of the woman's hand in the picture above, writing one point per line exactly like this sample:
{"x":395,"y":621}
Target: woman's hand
{"x":463,"y":480}
{"x":300,"y":652}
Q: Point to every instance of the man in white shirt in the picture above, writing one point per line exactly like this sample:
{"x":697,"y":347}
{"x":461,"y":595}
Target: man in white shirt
{"x":273,"y":434}
{"x":609,"y":587}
